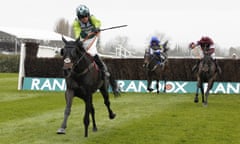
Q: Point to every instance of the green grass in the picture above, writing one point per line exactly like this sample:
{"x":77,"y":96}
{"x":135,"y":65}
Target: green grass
{"x":142,"y":118}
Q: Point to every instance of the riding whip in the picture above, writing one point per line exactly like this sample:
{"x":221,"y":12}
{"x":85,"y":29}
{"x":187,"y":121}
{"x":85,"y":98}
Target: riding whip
{"x":113,"y":27}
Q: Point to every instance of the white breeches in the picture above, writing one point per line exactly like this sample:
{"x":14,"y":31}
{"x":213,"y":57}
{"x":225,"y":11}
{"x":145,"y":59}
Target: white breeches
{"x":90,"y":46}
{"x":151,"y":51}
{"x":197,"y":52}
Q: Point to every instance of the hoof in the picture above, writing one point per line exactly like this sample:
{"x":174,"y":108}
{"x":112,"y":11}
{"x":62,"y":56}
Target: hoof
{"x":196,"y":100}
{"x":150,"y":89}
{"x":61,"y":131}
{"x":112,"y":116}
{"x":205,"y":104}
{"x":95,"y":129}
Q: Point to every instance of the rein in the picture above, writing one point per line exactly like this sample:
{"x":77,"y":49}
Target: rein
{"x":90,"y":66}
{"x":155,"y":66}
{"x":92,"y":42}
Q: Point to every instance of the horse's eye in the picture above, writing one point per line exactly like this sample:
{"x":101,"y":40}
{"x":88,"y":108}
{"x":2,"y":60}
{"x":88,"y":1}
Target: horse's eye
{"x":62,"y":52}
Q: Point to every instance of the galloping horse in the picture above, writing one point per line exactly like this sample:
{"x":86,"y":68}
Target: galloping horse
{"x":156,"y":68}
{"x":83,"y":78}
{"x":207,"y":72}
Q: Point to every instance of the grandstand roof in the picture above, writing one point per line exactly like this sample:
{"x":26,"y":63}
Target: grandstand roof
{"x":30,"y":34}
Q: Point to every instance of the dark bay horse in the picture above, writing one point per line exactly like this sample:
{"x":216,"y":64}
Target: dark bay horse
{"x":207,"y":73}
{"x":83,"y":78}
{"x":157,"y":68}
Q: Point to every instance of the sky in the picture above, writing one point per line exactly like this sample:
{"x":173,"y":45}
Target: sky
{"x":181,"y":21}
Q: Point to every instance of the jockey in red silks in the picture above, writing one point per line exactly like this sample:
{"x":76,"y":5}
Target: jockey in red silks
{"x":207,"y":46}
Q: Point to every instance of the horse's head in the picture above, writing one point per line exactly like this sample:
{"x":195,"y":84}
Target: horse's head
{"x":71,"y":53}
{"x":165,"y":46}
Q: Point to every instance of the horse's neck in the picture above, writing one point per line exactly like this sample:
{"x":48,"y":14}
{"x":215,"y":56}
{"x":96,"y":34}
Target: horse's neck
{"x":85,"y":63}
{"x":207,"y":58}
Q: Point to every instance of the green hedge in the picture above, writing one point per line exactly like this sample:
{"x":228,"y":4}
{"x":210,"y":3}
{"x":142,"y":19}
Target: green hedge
{"x":9,"y":63}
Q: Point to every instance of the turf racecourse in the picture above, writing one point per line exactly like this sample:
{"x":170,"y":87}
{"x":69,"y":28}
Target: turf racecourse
{"x":32,"y":117}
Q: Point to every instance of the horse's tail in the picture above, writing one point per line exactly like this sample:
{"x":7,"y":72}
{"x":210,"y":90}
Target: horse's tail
{"x":114,"y":85}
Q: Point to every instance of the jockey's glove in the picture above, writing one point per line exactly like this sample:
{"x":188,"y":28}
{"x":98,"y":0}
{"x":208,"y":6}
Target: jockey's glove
{"x":96,"y":30}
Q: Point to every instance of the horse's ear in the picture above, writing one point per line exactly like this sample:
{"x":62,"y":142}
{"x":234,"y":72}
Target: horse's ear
{"x":165,"y":48}
{"x":79,"y":44}
{"x":77,"y":40}
{"x":64,"y":40}
{"x":165,"y":43}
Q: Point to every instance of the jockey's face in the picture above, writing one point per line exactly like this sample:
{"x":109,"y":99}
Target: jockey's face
{"x":84,"y":19}
{"x":205,"y":45}
{"x":154,"y":43}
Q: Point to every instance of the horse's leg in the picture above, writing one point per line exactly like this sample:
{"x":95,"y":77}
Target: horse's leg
{"x":114,"y":85}
{"x":88,"y":108}
{"x":68,"y":98}
{"x":105,"y":95}
{"x":196,"y":96}
{"x":210,"y":85}
{"x":149,"y":81}
{"x":93,"y":117}
{"x":202,"y":91}
{"x":149,"y":86}
{"x":206,"y":95}
{"x":157,"y":86}
{"x":197,"y":91}
{"x":164,"y":84}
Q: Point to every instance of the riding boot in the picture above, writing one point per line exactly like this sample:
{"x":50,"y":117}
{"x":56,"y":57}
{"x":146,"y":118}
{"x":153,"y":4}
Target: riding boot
{"x":195,"y":67}
{"x":219,"y":70}
{"x":101,"y":66}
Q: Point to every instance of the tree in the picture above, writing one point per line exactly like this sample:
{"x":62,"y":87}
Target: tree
{"x":122,"y":41}
{"x":63,"y":27}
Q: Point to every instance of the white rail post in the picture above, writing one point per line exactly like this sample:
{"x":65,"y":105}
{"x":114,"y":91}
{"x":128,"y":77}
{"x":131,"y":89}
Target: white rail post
{"x":21,"y":66}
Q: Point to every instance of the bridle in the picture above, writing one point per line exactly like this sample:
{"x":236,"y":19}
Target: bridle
{"x":72,"y":65}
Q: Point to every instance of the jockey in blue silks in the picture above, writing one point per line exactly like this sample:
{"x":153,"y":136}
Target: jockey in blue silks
{"x":156,"y":49}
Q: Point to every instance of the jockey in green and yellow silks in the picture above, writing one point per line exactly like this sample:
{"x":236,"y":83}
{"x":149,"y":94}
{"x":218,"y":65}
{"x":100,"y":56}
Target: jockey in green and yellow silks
{"x":83,"y":29}
{"x":87,"y":28}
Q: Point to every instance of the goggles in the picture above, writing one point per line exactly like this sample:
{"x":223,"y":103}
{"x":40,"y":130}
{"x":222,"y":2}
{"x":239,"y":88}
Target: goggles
{"x":82,"y":16}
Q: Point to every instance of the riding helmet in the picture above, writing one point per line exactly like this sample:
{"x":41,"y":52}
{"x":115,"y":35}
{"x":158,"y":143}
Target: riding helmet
{"x":154,"y":39}
{"x":205,"y":40}
{"x":82,"y":11}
